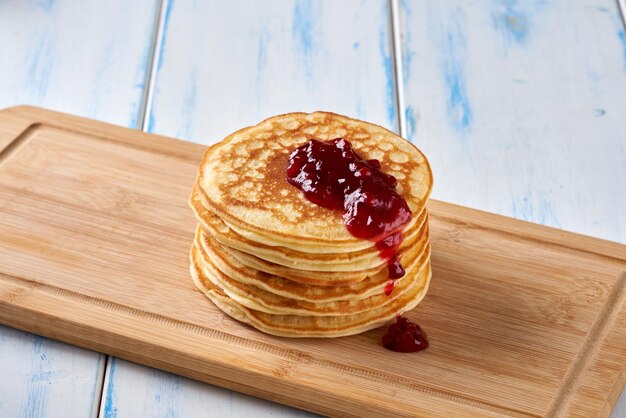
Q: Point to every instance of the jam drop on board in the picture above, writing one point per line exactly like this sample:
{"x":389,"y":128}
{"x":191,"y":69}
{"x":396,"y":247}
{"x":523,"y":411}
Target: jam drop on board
{"x":331,"y":174}
{"x":404,"y":336}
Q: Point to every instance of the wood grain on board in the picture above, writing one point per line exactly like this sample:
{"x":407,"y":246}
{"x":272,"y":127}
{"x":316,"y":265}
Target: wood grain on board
{"x":524,"y":320}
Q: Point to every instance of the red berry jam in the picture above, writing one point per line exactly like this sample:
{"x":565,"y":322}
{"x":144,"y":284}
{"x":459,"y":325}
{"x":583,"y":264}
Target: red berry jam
{"x":331,"y":174}
{"x":405,"y":336}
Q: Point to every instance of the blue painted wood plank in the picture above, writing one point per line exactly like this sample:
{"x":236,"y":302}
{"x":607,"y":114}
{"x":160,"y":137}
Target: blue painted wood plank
{"x":45,"y":378}
{"x":132,"y":390}
{"x":88,"y":58}
{"x":223,"y":65}
{"x":521,"y":108}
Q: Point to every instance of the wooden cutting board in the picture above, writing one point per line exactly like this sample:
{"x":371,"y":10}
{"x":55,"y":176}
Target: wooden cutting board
{"x":95,"y":230}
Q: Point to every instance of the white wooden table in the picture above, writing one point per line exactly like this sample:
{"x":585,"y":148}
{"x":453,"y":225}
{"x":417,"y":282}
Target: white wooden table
{"x":520,"y":107}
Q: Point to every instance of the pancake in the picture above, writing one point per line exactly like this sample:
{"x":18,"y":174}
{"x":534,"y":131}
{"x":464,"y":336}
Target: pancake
{"x":268,"y":257}
{"x":365,"y":259}
{"x":256,"y":298}
{"x":305,"y":247}
{"x":243,"y":179}
{"x":321,"y":278}
{"x":312,"y":326}
{"x":252,"y":284}
{"x":279,"y":285}
{"x":316,"y":278}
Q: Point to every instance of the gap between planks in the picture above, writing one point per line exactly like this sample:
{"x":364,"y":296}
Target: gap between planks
{"x":155,"y":55}
{"x":103,"y":377}
{"x":621,"y":6}
{"x":398,"y":70}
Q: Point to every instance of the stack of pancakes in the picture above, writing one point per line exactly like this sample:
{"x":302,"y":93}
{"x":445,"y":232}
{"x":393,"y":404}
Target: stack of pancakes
{"x":268,"y":257}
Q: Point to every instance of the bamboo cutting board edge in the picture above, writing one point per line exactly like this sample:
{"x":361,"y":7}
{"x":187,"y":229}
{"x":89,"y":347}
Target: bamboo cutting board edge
{"x":25,"y":301}
{"x":60,"y":314}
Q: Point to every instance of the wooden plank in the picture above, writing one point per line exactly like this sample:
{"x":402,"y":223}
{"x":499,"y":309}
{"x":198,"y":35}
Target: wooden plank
{"x":88,"y":58}
{"x":283,"y":56}
{"x":520,"y":108}
{"x":224,"y":66}
{"x":158,"y":393}
{"x":524,"y":320}
{"x":43,"y":377}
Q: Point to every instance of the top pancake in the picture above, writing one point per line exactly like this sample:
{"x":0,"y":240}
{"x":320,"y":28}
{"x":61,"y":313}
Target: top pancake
{"x":243,"y":178}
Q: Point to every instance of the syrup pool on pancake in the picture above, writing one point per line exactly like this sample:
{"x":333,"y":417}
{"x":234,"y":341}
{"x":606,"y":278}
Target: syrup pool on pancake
{"x":331,"y":174}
